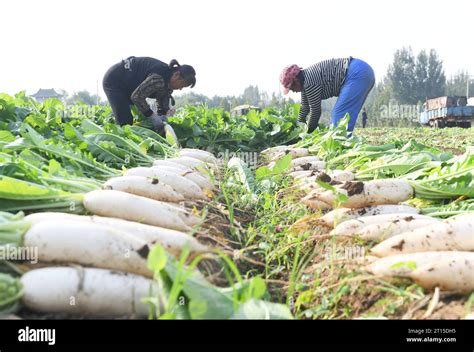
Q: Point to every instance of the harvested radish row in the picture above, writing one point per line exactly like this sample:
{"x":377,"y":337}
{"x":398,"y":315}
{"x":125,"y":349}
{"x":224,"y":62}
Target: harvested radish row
{"x":353,"y":227}
{"x":96,"y":292}
{"x":404,"y":264}
{"x":340,"y":215}
{"x":453,"y":274}
{"x":376,"y":192}
{"x":140,"y":209}
{"x":144,"y":186}
{"x":79,"y":242}
{"x":173,"y":241}
{"x":180,"y":184}
{"x":455,"y":235}
{"x":379,"y":232}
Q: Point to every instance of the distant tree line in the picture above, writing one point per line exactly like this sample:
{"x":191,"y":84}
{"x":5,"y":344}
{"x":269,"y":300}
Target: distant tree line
{"x":397,"y":98}
{"x":251,"y":95}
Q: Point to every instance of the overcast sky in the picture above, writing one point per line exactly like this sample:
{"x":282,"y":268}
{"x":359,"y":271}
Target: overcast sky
{"x":231,"y":43}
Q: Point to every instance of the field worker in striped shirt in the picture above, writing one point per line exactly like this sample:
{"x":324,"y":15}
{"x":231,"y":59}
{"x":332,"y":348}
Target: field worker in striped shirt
{"x":349,"y":79}
{"x":135,"y":79}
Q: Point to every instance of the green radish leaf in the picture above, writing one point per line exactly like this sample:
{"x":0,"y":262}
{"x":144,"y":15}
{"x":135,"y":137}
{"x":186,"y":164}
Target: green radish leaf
{"x":157,"y":259}
{"x":7,"y":136}
{"x":257,"y":287}
{"x":53,"y":167}
{"x":12,"y":188}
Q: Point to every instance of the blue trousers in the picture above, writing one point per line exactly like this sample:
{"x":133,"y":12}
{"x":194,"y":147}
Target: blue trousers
{"x":359,"y":81}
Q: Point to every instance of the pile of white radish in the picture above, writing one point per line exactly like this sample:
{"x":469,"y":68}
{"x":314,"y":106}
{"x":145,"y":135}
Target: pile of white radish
{"x":130,"y":215}
{"x":431,"y":252}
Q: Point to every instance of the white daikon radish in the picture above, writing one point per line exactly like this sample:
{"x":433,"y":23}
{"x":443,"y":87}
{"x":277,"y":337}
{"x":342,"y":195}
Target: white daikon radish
{"x":379,"y":232}
{"x":199,"y":154}
{"x":342,"y":175}
{"x":340,"y":215}
{"x":304,"y":160}
{"x":314,"y":203}
{"x":189,"y":189}
{"x":302,"y":175}
{"x":166,"y":162}
{"x":192,"y":162}
{"x":455,"y":235}
{"x":173,"y":241}
{"x":87,"y":292}
{"x":130,"y":207}
{"x":404,"y":264}
{"x":198,"y":178}
{"x":275,"y":149}
{"x":144,"y":186}
{"x":353,"y":227}
{"x":294,"y":152}
{"x":453,"y":274}
{"x":80,"y":242}
{"x":376,"y":192}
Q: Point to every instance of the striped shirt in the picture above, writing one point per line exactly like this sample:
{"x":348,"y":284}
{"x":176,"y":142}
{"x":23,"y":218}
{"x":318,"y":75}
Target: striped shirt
{"x":321,"y":81}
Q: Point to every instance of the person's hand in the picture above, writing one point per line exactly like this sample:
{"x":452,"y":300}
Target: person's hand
{"x":157,"y":122}
{"x":171,"y":112}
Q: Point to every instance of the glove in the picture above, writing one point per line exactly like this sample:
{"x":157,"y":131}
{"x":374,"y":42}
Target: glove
{"x":157,"y":122}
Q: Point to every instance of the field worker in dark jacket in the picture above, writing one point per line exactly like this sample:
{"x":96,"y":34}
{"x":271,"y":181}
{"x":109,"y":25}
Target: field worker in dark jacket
{"x":137,"y":78}
{"x":348,"y":79}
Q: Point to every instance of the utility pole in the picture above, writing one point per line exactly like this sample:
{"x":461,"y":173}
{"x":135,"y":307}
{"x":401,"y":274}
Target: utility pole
{"x":469,"y":79}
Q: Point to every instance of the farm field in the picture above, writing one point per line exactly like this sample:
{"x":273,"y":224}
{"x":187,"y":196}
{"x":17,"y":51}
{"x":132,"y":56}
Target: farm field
{"x":454,"y":140}
{"x":249,"y":217}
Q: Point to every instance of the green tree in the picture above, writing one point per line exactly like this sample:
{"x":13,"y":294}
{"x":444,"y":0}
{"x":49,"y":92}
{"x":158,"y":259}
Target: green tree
{"x":422,"y":76}
{"x":401,"y":76}
{"x":85,"y":97}
{"x":457,"y":84}
{"x":436,"y":85}
{"x":251,"y":95}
